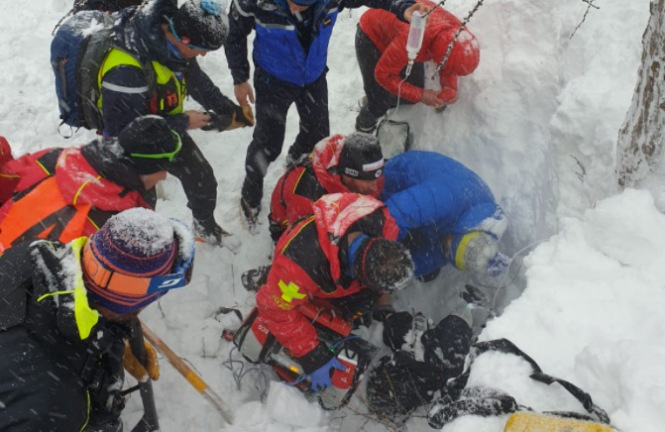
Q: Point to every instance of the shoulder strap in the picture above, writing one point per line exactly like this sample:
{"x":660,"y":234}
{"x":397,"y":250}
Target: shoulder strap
{"x":94,"y":51}
{"x":457,"y":401}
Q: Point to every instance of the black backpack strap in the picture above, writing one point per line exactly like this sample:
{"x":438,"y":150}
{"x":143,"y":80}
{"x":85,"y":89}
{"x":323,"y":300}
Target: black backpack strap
{"x":578,"y":393}
{"x":455,"y":403}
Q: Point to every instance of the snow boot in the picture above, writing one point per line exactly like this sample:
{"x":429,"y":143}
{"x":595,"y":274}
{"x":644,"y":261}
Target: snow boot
{"x":250,"y":216}
{"x":366,"y":121}
{"x":254,"y":279}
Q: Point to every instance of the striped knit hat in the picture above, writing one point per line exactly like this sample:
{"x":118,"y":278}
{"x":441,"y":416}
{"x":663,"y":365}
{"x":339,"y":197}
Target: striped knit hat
{"x":137,"y":242}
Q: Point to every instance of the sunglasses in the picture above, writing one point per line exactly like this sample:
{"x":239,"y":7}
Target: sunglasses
{"x":122,"y":284}
{"x":169,"y":156}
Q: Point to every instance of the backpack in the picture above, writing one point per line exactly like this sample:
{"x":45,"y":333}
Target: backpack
{"x":78,"y":50}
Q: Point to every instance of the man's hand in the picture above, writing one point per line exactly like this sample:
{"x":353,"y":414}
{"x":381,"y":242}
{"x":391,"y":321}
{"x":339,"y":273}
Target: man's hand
{"x":136,"y":369}
{"x":243,"y":92}
{"x":197,"y":119}
{"x":422,"y":8}
{"x":431,"y":98}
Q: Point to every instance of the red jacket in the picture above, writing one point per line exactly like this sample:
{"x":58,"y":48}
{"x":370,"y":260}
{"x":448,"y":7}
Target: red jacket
{"x":297,"y":190}
{"x":75,"y":189}
{"x":390,"y":34}
{"x":307,"y":265}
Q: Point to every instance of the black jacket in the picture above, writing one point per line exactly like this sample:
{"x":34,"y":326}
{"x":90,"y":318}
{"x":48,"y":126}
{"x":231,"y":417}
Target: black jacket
{"x":47,"y":370}
{"x":138,"y":31}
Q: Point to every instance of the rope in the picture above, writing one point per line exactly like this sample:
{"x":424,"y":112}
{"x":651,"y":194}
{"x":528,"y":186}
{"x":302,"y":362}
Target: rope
{"x":501,"y":285}
{"x":237,"y":376}
{"x":457,"y":35}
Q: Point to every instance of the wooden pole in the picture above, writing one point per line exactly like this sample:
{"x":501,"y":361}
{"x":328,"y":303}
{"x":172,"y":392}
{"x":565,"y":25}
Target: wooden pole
{"x":191,"y":376}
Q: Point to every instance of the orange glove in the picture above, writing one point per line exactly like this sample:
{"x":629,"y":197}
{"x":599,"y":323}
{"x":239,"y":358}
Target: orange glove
{"x":244,"y":116}
{"x":134,"y":367}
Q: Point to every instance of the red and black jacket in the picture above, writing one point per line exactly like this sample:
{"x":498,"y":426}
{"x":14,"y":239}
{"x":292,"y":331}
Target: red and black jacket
{"x":310,"y":261}
{"x":60,"y":196}
{"x":297,"y":190}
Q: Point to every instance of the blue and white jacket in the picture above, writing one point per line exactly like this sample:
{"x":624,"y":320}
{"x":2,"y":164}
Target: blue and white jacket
{"x":277,"y":49}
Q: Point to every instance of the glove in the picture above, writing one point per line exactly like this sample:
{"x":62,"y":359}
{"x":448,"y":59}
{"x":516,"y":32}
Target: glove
{"x":136,"y":369}
{"x":239,"y":117}
{"x":208,"y":231}
{"x":395,"y":328}
{"x":320,"y":378}
{"x":498,"y":264}
{"x":381,"y":313}
{"x":243,"y":116}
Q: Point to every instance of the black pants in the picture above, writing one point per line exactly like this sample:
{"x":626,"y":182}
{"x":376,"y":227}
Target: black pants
{"x":380,"y":100}
{"x":197,"y":177}
{"x":273,"y":99}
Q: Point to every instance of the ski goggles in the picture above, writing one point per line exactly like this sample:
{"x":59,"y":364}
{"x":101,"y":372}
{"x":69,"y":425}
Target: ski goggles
{"x":185,"y":40}
{"x":166,"y":155}
{"x":106,"y":278}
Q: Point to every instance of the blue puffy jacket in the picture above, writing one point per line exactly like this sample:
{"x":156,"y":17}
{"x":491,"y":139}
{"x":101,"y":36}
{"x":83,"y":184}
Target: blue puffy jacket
{"x":431,"y":195}
{"x":277,"y":48}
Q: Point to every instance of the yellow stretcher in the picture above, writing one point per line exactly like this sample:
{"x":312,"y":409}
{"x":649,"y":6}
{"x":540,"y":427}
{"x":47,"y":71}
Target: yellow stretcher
{"x":534,"y":422}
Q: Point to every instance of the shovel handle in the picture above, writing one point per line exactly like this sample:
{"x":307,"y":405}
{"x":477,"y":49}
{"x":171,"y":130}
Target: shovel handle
{"x":192,"y":377}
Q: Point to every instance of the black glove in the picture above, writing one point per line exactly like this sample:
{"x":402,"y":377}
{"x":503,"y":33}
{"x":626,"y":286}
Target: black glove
{"x":382,"y":312}
{"x":237,"y":118}
{"x":395,"y":327}
{"x":208,"y":231}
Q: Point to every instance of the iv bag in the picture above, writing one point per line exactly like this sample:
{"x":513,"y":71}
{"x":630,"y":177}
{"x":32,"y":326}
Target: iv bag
{"x":416,"y":33}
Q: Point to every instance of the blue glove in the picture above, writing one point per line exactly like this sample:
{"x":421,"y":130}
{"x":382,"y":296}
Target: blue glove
{"x":320,"y":378}
{"x":498,"y":264}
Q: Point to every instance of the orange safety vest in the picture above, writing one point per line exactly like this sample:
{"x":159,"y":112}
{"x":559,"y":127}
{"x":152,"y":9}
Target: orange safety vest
{"x":33,"y":217}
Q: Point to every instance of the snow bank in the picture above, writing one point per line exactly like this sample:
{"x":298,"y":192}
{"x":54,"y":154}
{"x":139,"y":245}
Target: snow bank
{"x":592,"y":314}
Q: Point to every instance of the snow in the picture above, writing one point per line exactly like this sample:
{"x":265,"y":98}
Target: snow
{"x":538,"y":121}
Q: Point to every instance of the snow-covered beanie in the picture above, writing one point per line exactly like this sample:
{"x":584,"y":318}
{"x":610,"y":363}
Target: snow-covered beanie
{"x":381,"y":264}
{"x":473,"y":251}
{"x":136,"y":242}
{"x":361,"y":157}
{"x":144,"y":140}
{"x":200,"y":23}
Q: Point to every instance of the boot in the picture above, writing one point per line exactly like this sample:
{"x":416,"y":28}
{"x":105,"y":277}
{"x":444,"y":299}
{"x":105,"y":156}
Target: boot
{"x":250,"y":215}
{"x":366,"y":121}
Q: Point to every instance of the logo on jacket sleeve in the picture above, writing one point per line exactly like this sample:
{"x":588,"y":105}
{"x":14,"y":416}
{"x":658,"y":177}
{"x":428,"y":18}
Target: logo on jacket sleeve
{"x":290,"y":291}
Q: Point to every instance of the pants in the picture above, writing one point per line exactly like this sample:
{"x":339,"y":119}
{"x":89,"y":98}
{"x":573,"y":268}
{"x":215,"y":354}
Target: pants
{"x":273,"y":99}
{"x":380,"y":100}
{"x":197,"y":177}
